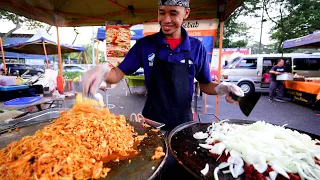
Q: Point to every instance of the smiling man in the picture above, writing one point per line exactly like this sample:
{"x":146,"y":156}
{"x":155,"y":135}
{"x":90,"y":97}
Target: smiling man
{"x":171,"y":61}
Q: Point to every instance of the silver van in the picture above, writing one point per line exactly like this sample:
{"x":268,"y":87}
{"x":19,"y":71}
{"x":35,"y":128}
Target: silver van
{"x":251,"y":72}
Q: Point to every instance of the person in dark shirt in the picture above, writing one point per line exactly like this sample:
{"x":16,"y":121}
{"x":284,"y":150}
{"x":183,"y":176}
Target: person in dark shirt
{"x":274,"y":84}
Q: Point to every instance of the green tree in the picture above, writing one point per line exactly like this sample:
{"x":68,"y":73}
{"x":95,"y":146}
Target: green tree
{"x":20,"y":21}
{"x":295,"y":18}
{"x":233,"y":29}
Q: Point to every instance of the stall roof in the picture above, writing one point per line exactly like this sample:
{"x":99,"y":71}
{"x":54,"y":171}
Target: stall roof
{"x":18,"y":38}
{"x":308,"y":41}
{"x":97,"y":12}
{"x":34,"y":45}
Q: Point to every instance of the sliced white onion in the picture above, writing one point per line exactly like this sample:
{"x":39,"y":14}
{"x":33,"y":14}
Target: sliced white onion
{"x":218,"y":148}
{"x":238,"y":170}
{"x":223,"y":165}
{"x":206,"y":146}
{"x":215,"y":173}
{"x":200,"y":135}
{"x":277,"y":168}
{"x":261,"y":144}
{"x":235,"y":160}
{"x":205,"y":170}
{"x":260,"y":164}
{"x":226,"y":172}
{"x":273,"y":175}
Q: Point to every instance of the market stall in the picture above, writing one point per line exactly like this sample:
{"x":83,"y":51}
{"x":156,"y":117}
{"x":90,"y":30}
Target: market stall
{"x":96,"y":12}
{"x":41,"y":43}
{"x":305,"y":89}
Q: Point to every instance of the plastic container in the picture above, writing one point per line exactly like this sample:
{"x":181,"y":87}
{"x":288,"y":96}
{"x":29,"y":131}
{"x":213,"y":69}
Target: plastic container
{"x":22,"y":101}
{"x":11,"y":92}
{"x":9,"y":80}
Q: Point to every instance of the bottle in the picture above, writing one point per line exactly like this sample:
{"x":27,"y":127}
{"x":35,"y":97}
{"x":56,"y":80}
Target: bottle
{"x":60,"y":84}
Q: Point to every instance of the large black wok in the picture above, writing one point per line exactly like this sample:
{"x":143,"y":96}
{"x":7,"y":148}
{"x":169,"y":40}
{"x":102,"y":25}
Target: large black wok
{"x":185,"y":149}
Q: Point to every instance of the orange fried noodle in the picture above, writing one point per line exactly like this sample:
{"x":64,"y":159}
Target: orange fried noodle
{"x":74,"y":146}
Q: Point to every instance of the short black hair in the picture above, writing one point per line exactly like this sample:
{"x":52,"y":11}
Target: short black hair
{"x":281,"y":60}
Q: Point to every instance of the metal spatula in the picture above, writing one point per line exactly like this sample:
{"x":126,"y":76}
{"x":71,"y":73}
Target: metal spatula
{"x":248,"y":102}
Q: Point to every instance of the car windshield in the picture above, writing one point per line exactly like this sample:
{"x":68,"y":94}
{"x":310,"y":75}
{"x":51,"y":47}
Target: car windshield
{"x":232,"y":62}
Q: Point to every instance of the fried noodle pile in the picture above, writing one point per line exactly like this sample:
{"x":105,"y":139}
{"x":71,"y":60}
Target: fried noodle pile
{"x":75,"y":146}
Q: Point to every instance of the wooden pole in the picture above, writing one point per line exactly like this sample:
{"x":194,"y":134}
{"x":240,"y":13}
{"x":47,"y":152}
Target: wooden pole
{"x":97,"y":53}
{"x":219,"y":63}
{"x":59,"y":52}
{"x":45,"y":53}
{"x":3,"y":59}
{"x":60,"y":82}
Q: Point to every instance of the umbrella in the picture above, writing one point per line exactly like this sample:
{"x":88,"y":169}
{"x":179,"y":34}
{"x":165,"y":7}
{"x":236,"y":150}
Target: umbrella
{"x":96,"y":12}
{"x":41,"y":43}
{"x":308,"y":41}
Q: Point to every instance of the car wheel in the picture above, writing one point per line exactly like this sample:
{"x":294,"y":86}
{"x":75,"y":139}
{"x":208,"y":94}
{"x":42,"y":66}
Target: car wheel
{"x":39,"y":73}
{"x":247,"y":87}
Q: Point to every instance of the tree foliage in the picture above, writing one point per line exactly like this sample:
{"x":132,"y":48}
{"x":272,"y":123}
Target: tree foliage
{"x":20,"y":21}
{"x":296,"y":18}
{"x":291,"y":19}
{"x":29,"y":23}
{"x":235,"y":33}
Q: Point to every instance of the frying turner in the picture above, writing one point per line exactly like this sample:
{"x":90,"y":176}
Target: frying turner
{"x":247,"y":102}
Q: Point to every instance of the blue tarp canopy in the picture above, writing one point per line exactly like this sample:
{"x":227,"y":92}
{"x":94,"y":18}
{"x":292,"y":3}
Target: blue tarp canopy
{"x":308,"y":41}
{"x":136,"y":32}
{"x":34,"y":45}
{"x":15,"y":38}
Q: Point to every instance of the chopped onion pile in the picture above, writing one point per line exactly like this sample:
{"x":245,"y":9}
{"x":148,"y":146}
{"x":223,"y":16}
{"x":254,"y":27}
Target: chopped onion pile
{"x":263,"y":145}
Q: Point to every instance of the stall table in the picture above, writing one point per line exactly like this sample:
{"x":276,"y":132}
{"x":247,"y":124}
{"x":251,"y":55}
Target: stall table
{"x":306,"y":92}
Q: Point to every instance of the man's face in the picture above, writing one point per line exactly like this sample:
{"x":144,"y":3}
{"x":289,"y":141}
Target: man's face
{"x":170,"y":18}
{"x":281,"y":63}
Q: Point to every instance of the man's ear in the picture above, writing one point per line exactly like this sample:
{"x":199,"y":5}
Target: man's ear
{"x":187,"y":13}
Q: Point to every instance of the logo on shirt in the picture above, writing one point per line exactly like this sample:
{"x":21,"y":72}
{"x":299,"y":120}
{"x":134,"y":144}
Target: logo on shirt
{"x":184,"y":61}
{"x":151,"y":58}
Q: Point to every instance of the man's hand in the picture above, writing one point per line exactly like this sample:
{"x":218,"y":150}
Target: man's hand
{"x":93,"y":78}
{"x":226,"y":88}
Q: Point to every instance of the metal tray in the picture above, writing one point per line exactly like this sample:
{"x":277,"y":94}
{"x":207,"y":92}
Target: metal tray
{"x":140,"y":167}
{"x":182,"y":146}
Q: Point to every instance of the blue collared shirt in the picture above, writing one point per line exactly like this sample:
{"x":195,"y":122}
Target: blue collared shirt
{"x":142,"y":54}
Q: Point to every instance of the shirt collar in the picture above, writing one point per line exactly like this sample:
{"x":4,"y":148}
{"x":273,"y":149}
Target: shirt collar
{"x":184,"y":45}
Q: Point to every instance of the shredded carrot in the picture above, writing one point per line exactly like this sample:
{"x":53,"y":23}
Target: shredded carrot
{"x":74,"y":146}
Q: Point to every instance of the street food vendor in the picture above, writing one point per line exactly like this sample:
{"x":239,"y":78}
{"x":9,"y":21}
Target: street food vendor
{"x":171,"y":60}
{"x":274,"y":84}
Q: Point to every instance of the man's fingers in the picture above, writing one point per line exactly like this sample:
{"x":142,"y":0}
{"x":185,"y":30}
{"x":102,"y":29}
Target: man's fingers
{"x":230,"y":100}
{"x":85,"y":87}
{"x":94,"y":85}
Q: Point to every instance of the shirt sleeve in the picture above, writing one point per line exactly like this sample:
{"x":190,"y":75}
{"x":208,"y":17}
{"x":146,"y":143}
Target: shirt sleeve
{"x":132,"y":62}
{"x":274,"y":68}
{"x":203,"y":69}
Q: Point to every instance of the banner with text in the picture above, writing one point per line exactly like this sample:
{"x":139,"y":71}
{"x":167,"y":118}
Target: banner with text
{"x":204,"y":30}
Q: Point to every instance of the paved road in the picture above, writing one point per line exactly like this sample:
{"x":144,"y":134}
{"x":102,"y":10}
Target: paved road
{"x":295,"y":115}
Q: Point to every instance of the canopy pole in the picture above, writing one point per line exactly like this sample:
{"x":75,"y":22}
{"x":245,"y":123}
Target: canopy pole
{"x":3,"y":59}
{"x":219,"y":63}
{"x":59,"y":52}
{"x":45,"y":53}
{"x":60,"y":84}
{"x":97,"y":54}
